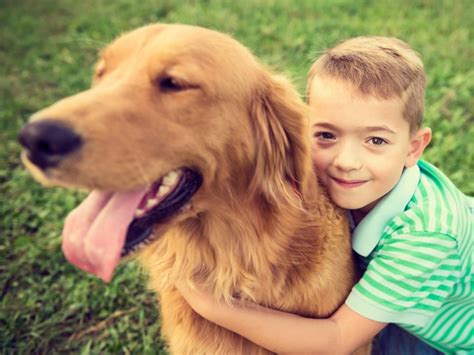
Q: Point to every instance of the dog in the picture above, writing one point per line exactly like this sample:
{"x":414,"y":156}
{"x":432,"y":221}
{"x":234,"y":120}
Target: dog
{"x":198,"y":159}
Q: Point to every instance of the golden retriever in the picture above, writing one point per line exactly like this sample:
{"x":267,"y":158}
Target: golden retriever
{"x":198,"y":159}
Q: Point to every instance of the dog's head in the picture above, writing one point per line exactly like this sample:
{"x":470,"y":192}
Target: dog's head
{"x":174,"y":113}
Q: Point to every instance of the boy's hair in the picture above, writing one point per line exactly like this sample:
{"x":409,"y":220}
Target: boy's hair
{"x":381,"y":67}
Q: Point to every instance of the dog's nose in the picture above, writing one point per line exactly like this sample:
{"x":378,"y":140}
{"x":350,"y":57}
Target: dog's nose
{"x":48,"y":141}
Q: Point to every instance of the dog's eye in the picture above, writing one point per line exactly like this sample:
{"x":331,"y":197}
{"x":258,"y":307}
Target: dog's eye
{"x":100,"y":69}
{"x":170,"y":84}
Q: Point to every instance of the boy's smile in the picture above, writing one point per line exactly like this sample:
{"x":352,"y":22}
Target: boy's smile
{"x":349,"y":184}
{"x":360,"y":144}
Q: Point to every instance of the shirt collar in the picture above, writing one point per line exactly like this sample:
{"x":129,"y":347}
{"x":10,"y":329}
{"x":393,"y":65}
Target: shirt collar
{"x":368,"y":232}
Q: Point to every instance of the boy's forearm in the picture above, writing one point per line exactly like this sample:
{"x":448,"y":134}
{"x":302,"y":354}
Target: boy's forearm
{"x":344,"y":332}
{"x":276,"y":331}
{"x":280,"y":330}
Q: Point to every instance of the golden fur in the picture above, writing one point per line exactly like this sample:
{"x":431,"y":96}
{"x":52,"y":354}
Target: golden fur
{"x":260,"y":227}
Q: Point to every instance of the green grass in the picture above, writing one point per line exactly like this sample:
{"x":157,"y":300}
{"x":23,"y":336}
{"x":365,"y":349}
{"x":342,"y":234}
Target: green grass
{"x":47,"y":49}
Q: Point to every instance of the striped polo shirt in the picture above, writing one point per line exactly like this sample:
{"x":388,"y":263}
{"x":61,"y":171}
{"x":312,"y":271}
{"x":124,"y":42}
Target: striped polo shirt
{"x":416,"y":246}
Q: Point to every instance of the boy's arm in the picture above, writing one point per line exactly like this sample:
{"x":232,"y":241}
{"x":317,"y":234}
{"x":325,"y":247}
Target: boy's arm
{"x":281,"y":332}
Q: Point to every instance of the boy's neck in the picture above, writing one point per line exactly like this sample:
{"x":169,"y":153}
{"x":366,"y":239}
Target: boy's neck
{"x":358,"y":216}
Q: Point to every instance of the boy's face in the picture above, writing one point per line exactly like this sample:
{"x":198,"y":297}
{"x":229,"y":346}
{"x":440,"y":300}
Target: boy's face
{"x":360,"y":145}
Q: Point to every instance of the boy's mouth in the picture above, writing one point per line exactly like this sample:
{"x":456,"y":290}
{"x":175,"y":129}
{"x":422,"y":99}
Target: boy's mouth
{"x":348,"y":183}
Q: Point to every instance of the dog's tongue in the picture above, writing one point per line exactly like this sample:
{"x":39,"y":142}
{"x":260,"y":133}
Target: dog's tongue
{"x":94,"y":233}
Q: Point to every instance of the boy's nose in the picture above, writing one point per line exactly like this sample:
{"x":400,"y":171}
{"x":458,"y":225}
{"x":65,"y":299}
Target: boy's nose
{"x":347,"y":158}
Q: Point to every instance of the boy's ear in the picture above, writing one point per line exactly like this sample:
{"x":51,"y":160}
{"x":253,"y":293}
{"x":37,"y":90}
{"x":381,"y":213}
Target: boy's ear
{"x":418,"y":143}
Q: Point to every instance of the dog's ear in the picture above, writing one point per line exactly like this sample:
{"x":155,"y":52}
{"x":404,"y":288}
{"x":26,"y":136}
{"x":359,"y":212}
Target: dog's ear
{"x":282,"y":138}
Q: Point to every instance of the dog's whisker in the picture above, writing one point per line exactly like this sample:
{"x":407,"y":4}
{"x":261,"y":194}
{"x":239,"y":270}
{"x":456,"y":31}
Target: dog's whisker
{"x":142,"y":171}
{"x":135,"y":162}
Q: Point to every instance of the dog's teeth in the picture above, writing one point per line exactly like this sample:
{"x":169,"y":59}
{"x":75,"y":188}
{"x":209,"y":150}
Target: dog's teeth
{"x":151,"y":203}
{"x":163,"y":190}
{"x":186,"y":208}
{"x":139,"y":212}
{"x":170,"y":178}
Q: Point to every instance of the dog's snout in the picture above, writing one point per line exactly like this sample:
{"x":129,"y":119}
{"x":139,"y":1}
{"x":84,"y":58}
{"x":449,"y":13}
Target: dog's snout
{"x":48,"y":141}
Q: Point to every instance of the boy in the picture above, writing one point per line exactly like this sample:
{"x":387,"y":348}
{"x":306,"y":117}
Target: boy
{"x":413,"y":227}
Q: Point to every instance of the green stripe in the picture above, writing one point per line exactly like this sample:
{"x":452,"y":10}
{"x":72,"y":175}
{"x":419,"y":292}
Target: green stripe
{"x":417,"y":254}
{"x":447,"y":267}
{"x":416,"y":243}
{"x":440,"y":202}
{"x":437,"y":326}
{"x":442,"y":287}
{"x":377,"y":299}
{"x":398,"y":282}
{"x":408,"y":276}
{"x":419,"y":223}
{"x":409,"y":264}
{"x":463,"y":325}
{"x":468,"y":335}
{"x":422,"y":286}
{"x":383,"y":264}
{"x":403,"y":298}
{"x":436,"y":221}
{"x":446,"y":314}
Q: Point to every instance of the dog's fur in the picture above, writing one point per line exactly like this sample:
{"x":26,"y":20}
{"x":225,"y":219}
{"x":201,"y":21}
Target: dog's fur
{"x":260,"y":228}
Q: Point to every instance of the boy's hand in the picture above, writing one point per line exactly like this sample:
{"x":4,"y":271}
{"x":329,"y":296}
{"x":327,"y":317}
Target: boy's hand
{"x":200,"y":300}
{"x":344,"y":332}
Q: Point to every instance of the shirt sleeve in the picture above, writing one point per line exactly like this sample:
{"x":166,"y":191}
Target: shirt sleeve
{"x":408,"y":279}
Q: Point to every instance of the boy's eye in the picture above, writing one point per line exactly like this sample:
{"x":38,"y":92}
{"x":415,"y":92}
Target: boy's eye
{"x":324,"y":135}
{"x":377,"y":141}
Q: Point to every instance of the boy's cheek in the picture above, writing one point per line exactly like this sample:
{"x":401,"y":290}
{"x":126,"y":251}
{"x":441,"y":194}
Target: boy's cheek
{"x":314,"y":154}
{"x":314,"y":146}
{"x":320,"y":162}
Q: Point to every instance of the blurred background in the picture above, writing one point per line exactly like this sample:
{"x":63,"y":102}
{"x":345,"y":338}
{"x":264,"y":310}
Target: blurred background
{"x":47,"y":51}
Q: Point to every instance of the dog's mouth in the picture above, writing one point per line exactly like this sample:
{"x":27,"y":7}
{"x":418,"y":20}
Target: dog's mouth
{"x":109,"y":225}
{"x":166,"y":197}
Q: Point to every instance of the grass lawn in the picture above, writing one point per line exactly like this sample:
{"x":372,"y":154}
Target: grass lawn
{"x":47,"y":49}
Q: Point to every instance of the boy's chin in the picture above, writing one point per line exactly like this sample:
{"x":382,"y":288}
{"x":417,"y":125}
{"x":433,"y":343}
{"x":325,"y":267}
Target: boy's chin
{"x":343,"y":201}
{"x":362,"y":205}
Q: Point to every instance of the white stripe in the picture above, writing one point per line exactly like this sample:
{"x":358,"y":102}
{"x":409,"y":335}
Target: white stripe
{"x":452,"y":201}
{"x":393,"y":286}
{"x":429,"y":213}
{"x":388,"y":298}
{"x":377,"y":293}
{"x":380,"y":272}
{"x":467,"y":335}
{"x":445,"y":315}
{"x":448,"y":323}
{"x":418,"y":222}
{"x":424,"y":239}
{"x":443,"y":218}
{"x":425,"y":249}
{"x":413,"y":259}
{"x":408,"y":270}
{"x":383,"y":280}
{"x":432,"y":198}
{"x":461,"y":322}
